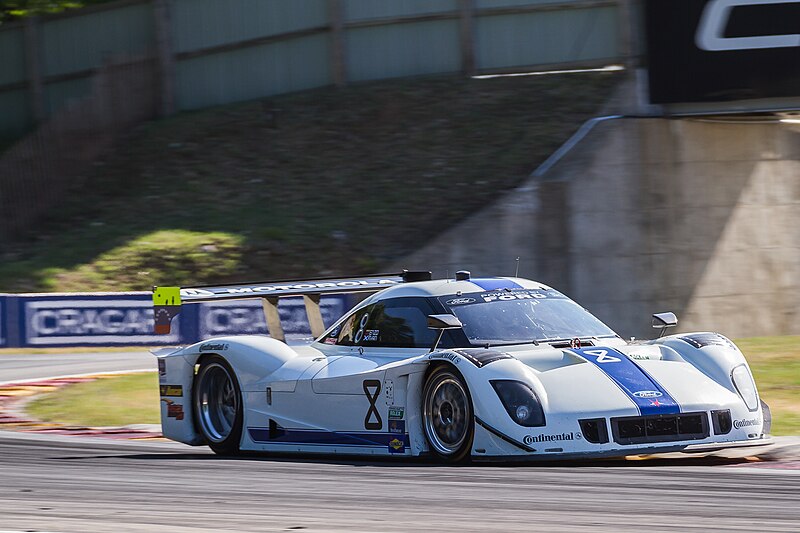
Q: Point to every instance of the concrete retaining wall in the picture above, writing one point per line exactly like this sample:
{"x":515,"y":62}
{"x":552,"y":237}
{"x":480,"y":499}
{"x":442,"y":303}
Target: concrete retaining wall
{"x":645,"y":215}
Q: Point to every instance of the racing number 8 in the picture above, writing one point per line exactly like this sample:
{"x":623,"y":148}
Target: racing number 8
{"x":602,"y":356}
{"x":361,"y":325}
{"x":372,"y":390}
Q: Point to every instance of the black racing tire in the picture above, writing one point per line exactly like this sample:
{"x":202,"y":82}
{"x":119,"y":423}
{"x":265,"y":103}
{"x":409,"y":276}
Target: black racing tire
{"x":217,"y":401}
{"x":447,"y":415}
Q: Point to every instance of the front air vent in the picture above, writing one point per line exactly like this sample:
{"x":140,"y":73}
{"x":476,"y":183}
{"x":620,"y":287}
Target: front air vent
{"x":672,"y":428}
{"x":594,"y":430}
{"x":721,"y":421}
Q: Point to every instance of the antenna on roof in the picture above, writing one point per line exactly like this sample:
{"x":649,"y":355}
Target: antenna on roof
{"x":516,"y":272}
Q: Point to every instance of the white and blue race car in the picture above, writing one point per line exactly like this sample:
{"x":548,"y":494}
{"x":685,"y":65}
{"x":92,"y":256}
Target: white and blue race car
{"x":489,"y":368}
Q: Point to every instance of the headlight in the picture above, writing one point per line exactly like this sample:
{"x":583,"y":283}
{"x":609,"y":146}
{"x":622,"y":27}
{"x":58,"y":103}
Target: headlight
{"x":521,"y":402}
{"x":744,"y":384}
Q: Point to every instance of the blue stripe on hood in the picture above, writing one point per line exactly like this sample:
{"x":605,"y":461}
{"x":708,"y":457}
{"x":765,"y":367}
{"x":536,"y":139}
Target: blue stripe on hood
{"x":493,"y":284}
{"x":646,"y":393}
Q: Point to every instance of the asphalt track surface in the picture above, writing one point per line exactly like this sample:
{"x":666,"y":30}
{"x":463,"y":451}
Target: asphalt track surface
{"x":74,"y":484}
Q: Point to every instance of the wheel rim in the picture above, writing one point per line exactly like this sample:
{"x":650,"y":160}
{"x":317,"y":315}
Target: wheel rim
{"x":217,"y":402}
{"x":447,"y":414}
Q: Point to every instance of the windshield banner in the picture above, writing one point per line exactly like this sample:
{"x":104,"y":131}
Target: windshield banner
{"x":126,"y":319}
{"x":503,"y":295}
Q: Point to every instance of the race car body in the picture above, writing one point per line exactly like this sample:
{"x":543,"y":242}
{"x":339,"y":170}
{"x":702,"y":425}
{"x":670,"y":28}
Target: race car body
{"x":489,"y":368}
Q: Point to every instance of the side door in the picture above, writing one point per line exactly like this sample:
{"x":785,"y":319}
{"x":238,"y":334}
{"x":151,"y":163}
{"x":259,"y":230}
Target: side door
{"x":379,"y":334}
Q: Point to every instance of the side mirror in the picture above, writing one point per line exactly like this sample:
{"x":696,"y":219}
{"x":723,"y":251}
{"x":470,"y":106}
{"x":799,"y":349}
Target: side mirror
{"x":664,"y":321}
{"x":442,"y":322}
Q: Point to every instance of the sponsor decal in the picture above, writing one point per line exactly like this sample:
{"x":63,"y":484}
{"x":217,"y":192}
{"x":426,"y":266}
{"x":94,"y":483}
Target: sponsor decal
{"x":396,"y":413}
{"x":213,"y":347}
{"x":397,"y":446}
{"x":331,"y":340}
{"x":496,"y":295}
{"x":515,"y":295}
{"x":245,"y":317}
{"x":648,"y":394}
{"x":388,"y":391}
{"x":311,"y":286}
{"x":450,"y":356}
{"x":174,"y":410}
{"x":371,"y":335}
{"x":716,"y":16}
{"x":171,"y":390}
{"x":397,"y":426}
{"x":722,"y":50}
{"x":530,"y":439}
{"x":91,"y":320}
{"x":460,"y":301}
{"x":746,"y":423}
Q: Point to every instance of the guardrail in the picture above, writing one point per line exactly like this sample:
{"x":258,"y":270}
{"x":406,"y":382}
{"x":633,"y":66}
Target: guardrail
{"x":126,"y":319}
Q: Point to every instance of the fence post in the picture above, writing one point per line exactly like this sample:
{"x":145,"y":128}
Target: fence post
{"x":338,"y":52}
{"x":164,"y":57}
{"x":33,"y":68}
{"x":628,"y":46}
{"x":466,"y":27}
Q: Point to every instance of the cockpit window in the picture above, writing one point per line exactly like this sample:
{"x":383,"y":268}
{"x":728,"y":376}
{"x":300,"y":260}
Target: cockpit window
{"x":515,"y":316}
{"x":391,"y":323}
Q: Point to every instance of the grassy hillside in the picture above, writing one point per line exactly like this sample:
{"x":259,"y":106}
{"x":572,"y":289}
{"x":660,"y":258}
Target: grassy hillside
{"x":319,"y":183}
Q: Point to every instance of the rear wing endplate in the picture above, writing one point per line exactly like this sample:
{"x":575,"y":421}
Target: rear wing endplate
{"x":167,"y":301}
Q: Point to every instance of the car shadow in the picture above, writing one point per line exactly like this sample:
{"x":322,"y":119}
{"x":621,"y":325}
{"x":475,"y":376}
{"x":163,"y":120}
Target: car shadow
{"x":428,"y":462}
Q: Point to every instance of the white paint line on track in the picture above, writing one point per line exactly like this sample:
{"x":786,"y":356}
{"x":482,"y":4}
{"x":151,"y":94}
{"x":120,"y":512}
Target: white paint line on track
{"x":69,"y":376}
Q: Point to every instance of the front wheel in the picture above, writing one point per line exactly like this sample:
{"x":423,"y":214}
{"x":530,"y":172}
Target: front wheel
{"x":218,"y":405}
{"x":447,"y":415}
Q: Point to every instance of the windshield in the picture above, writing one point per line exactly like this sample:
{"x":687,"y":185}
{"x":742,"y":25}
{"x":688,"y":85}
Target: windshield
{"x":514,"y":316}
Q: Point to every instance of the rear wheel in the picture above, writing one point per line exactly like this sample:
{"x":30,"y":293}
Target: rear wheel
{"x":218,"y":405}
{"x":447,"y":415}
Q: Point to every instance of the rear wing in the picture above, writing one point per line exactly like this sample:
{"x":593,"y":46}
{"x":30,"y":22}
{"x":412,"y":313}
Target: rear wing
{"x":167,"y":301}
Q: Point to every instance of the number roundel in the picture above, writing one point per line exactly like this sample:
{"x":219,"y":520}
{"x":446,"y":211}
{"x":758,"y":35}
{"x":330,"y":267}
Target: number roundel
{"x":361,"y":325}
{"x":602,"y":356}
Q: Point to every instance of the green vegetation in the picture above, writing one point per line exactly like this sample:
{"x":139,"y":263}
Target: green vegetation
{"x":112,"y":401}
{"x":775,"y":362}
{"x":15,"y":9}
{"x":133,"y":399}
{"x":326,"y":182}
{"x":165,"y":254}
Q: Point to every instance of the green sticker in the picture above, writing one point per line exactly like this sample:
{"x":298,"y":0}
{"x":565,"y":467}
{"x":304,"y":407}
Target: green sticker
{"x":167,"y":296}
{"x":166,"y":306}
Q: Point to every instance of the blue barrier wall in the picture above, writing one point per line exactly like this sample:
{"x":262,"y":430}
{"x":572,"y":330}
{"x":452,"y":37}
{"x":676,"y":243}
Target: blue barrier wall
{"x":126,"y":319}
